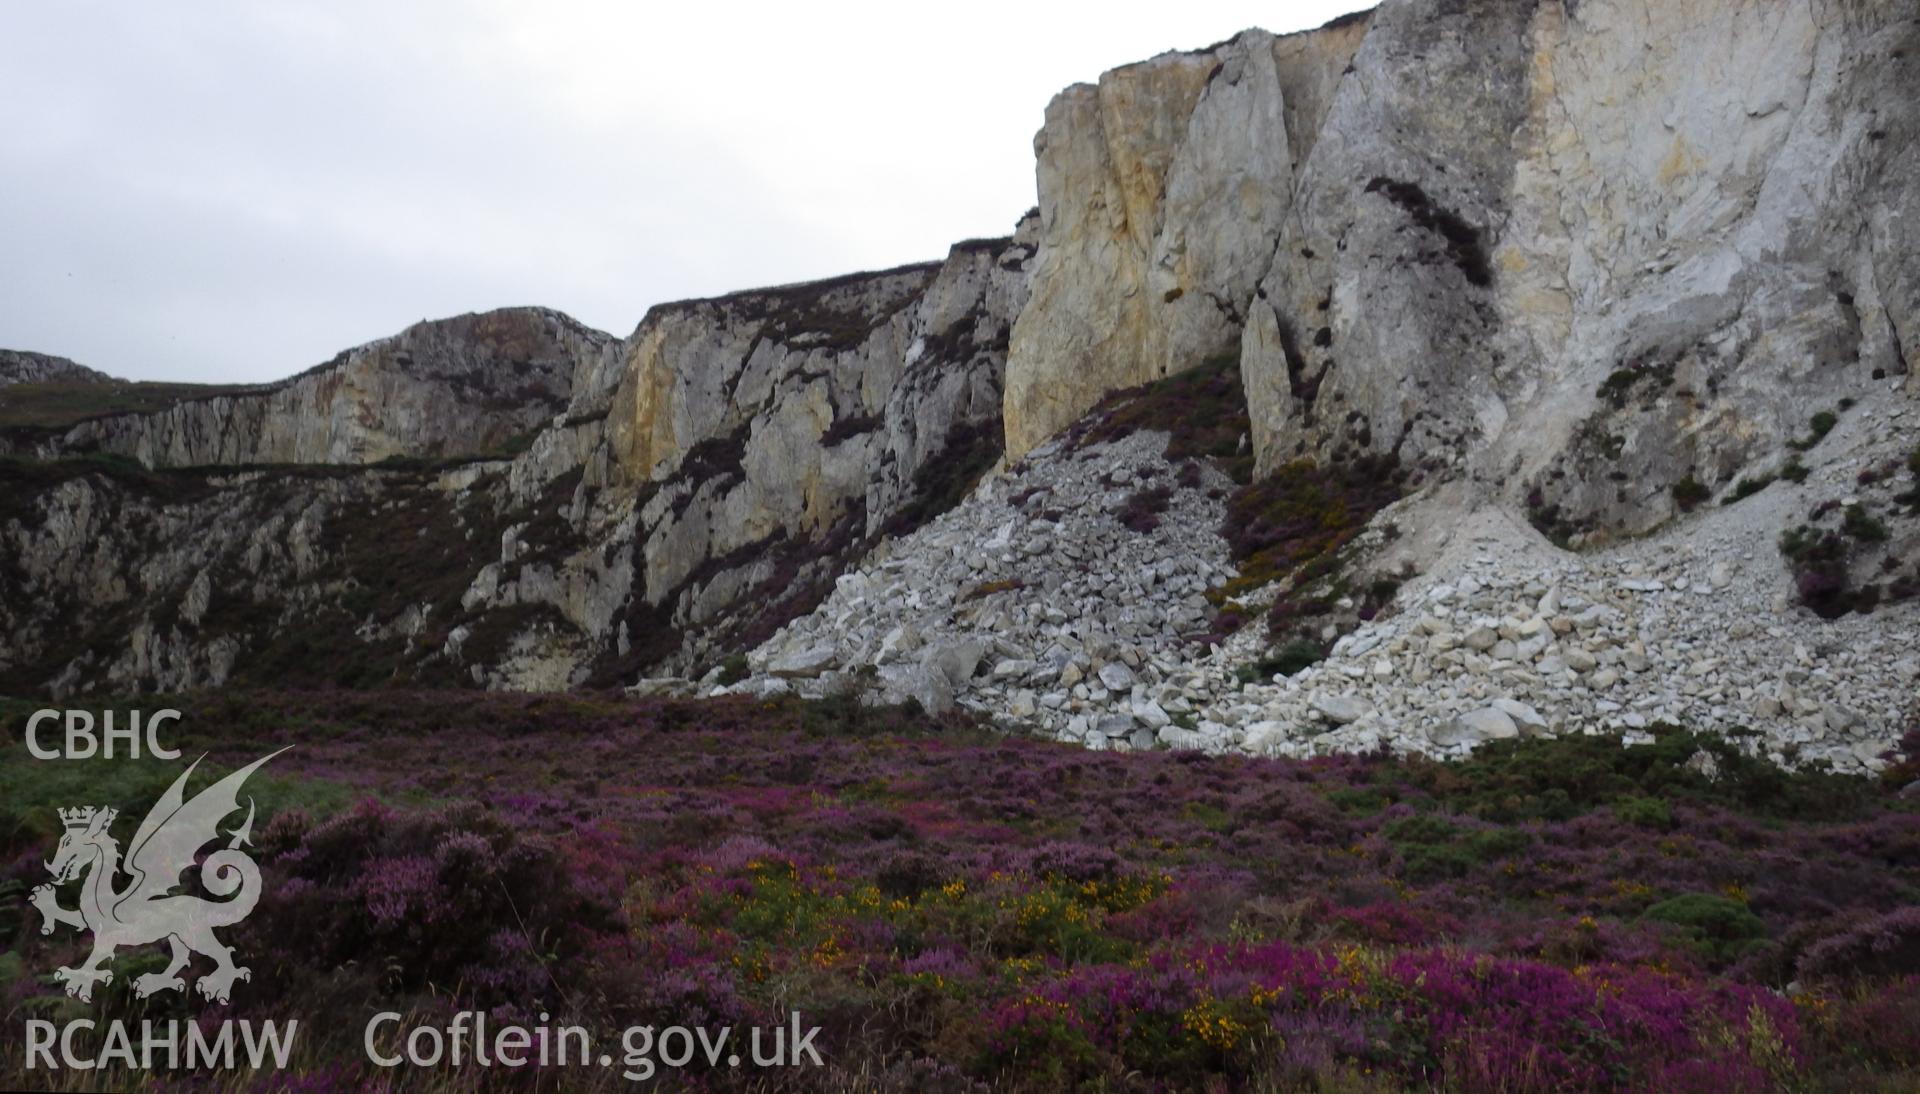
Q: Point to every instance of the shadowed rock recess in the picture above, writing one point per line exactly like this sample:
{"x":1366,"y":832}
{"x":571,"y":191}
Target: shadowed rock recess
{"x":1549,"y":371}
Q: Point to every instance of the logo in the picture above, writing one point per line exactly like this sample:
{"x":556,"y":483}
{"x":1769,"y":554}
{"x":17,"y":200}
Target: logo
{"x":146,"y":909}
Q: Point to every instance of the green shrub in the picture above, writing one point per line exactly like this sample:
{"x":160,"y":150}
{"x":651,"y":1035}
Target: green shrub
{"x":1644,"y":812}
{"x":1689,"y":492}
{"x":1296,"y":520}
{"x":734,"y":668}
{"x":1718,"y":928}
{"x":1862,"y":525}
{"x":1358,"y":801}
{"x":1820,"y":574}
{"x":1561,"y":778}
{"x":1796,"y":543}
{"x":1911,"y":497}
{"x":1284,"y":661}
{"x":1498,"y":843}
{"x":1428,"y":862}
{"x":1619,"y":385}
{"x":1382,"y":590}
{"x":966,"y":453}
{"x":1203,"y":410}
{"x":1421,"y":829}
{"x":1295,"y":655}
{"x":1615,"y":387}
{"x":1747,"y":488}
{"x":1819,"y":425}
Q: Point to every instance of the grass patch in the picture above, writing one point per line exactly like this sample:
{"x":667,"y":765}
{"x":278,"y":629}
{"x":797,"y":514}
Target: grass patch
{"x":32,"y":791}
{"x":60,"y":404}
{"x":23,"y":480}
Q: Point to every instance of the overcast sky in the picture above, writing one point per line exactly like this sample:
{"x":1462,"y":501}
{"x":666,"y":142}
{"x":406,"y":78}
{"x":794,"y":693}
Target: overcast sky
{"x":227,"y":191}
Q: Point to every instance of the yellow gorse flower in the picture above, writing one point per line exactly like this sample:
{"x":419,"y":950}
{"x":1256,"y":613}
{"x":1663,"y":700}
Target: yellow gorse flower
{"x":1212,"y":1024}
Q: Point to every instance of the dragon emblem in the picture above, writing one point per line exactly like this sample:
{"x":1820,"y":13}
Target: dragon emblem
{"x":146,"y":909}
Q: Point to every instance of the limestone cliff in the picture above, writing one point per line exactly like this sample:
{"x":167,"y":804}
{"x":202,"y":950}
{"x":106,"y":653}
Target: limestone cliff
{"x":1584,"y":252}
{"x":576,"y":508}
{"x":1162,"y":190}
{"x":777,"y":431}
{"x":466,"y":386}
{"x":21,"y":367}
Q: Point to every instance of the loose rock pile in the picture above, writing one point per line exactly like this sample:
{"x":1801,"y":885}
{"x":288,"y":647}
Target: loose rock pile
{"x":1032,"y":602}
{"x":1515,"y":639}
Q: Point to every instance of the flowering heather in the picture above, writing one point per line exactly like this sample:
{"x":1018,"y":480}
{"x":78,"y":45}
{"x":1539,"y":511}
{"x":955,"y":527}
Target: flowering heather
{"x":956,"y":908}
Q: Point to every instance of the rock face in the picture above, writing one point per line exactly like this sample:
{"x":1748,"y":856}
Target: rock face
{"x":1589,"y":251}
{"x":469,"y":386}
{"x":21,"y":367}
{"x":1162,"y":189}
{"x":776,"y":434}
{"x":123,"y":580}
{"x":574,"y":508}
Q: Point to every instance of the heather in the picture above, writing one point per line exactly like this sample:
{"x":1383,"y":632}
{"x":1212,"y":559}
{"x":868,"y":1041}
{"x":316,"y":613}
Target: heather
{"x":956,"y":907}
{"x":1202,"y":410}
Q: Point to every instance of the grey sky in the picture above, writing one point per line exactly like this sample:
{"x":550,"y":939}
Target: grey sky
{"x":232,"y":191}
